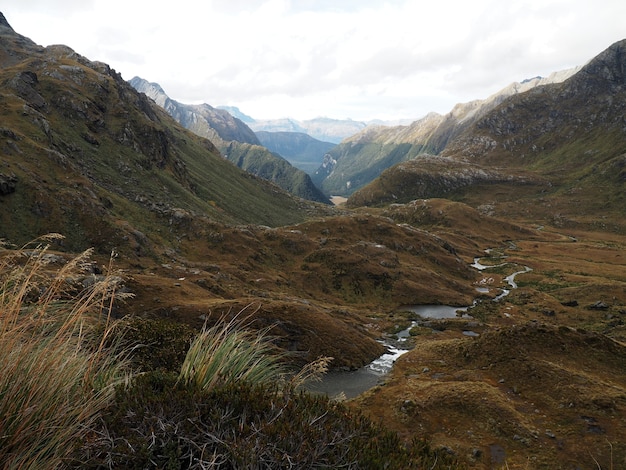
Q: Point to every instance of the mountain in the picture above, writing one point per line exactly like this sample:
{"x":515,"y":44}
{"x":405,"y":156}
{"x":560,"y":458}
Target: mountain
{"x":236,"y":112}
{"x":235,"y":140}
{"x":203,"y":119}
{"x":324,"y":129}
{"x":301,"y":150}
{"x":361,"y":158}
{"x":86,"y":155}
{"x":562,"y":146}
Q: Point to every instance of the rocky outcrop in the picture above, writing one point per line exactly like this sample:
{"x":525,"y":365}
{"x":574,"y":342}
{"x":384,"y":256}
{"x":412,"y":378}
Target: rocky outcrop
{"x":7,"y":184}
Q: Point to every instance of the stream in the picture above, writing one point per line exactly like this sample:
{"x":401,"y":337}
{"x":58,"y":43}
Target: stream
{"x":352,"y":383}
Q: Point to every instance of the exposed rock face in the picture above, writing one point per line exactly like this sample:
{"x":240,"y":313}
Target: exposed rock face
{"x":5,"y":27}
{"x":7,"y":184}
{"x":202,"y":119}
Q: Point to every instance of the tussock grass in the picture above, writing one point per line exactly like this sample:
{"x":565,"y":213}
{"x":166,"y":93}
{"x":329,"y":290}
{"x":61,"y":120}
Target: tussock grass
{"x":55,"y":378}
{"x":227,"y":354}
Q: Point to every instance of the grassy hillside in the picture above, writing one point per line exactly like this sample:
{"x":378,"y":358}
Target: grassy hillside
{"x":259,"y":161}
{"x":554,"y":153}
{"x":88,"y":156}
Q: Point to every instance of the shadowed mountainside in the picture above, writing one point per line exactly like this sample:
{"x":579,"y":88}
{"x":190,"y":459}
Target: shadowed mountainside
{"x":302,"y":150}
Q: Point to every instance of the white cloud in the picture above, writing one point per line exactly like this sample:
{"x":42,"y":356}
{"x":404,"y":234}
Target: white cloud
{"x":363,"y":59}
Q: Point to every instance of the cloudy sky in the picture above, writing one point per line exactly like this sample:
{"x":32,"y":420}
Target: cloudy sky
{"x":359,"y":59}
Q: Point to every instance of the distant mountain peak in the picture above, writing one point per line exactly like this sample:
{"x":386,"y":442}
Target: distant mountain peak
{"x":236,"y":112}
{"x":526,"y":80}
{"x":140,"y":81}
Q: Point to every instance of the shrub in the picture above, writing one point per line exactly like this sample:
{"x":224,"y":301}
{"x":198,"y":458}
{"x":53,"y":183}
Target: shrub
{"x":232,"y":407}
{"x":154,"y":343}
{"x":159,"y":423}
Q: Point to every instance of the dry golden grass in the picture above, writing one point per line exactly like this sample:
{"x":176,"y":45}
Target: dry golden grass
{"x":55,"y":378}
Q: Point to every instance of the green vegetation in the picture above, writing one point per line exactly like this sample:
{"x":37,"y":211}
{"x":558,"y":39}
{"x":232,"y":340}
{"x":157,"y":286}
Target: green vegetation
{"x":360,"y":163}
{"x":225,"y":355}
{"x":264,"y":164}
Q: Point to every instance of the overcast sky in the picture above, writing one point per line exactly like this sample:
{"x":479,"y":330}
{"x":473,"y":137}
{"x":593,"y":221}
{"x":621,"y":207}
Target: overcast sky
{"x":359,"y":59}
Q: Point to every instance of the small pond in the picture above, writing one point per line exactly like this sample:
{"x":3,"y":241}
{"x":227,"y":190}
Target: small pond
{"x":437,"y":312}
{"x":352,"y":383}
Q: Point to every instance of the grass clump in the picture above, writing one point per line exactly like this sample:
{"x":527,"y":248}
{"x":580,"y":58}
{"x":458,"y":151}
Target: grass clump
{"x":55,"y":379}
{"x":226,"y":354}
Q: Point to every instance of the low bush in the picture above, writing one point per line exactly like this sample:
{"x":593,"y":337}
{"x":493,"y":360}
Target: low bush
{"x":160,"y":423}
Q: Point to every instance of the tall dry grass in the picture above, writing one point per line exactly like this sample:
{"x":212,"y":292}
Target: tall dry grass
{"x":54,"y":378}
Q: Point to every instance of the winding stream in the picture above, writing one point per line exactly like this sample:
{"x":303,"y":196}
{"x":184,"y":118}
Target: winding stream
{"x":353,"y":383}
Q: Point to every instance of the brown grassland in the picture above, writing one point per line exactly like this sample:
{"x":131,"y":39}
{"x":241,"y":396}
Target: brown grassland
{"x":543,"y":385}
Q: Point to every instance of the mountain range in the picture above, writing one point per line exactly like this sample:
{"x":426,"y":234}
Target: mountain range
{"x":361,"y":158}
{"x":321,"y":128}
{"x":556,"y":146}
{"x":509,"y":211}
{"x":235,"y":140}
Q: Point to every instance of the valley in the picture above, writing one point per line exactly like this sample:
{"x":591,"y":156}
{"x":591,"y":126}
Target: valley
{"x":532,"y":187}
{"x":541,"y":380}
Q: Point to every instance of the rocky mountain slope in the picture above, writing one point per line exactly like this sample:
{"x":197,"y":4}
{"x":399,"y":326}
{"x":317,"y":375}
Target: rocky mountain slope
{"x":557,"y":145}
{"x":302,"y":150}
{"x":84,"y":154}
{"x":362,"y":157}
{"x":235,"y":140}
